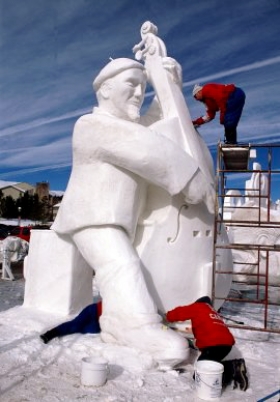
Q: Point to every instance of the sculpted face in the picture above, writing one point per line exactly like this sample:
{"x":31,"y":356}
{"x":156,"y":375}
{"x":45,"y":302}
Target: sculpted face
{"x":124,"y":94}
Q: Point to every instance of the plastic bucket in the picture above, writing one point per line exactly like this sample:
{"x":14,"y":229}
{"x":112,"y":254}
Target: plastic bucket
{"x":208,"y":379}
{"x":94,"y":371}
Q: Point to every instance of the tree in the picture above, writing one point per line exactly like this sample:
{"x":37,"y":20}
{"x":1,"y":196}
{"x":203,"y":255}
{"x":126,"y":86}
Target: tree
{"x":8,"y":206}
{"x":28,"y":207}
{"x":1,"y":201}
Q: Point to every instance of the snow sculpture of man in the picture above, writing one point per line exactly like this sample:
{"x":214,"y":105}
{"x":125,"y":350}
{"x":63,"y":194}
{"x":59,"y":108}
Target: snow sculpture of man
{"x":12,"y":249}
{"x":114,"y":157}
{"x":257,"y":186}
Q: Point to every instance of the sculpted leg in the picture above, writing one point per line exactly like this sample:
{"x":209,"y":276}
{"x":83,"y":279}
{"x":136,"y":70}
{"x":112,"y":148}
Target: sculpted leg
{"x":6,"y":266}
{"x":129,"y":315}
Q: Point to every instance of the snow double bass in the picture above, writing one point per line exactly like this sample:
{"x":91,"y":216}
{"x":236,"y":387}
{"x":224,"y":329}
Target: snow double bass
{"x":174,"y":240}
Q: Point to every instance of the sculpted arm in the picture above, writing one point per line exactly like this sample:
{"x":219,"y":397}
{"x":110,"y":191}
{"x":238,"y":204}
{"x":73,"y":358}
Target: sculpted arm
{"x":141,"y":151}
{"x":135,"y":148}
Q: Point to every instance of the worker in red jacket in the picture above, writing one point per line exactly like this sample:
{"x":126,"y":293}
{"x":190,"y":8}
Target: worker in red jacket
{"x":226,"y":98}
{"x":212,"y":337}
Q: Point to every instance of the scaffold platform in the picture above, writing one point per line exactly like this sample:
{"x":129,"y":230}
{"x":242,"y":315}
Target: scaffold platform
{"x":235,"y":157}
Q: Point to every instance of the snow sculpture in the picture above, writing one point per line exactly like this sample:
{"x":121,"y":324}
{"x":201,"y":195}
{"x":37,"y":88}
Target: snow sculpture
{"x":57,"y":279}
{"x":12,"y":249}
{"x":255,"y":209}
{"x":129,"y":173}
{"x":150,"y":42}
{"x":257,"y":185}
{"x":175,"y":239}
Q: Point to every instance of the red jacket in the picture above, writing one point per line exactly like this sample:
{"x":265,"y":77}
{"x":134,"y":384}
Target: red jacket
{"x":99,"y":308}
{"x":208,"y":327}
{"x":215,"y":97}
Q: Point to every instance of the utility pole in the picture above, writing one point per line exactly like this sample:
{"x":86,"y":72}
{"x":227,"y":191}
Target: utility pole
{"x":19,"y":216}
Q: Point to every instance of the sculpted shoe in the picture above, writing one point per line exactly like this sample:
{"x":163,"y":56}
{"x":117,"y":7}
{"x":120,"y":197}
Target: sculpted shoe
{"x":167,"y":347}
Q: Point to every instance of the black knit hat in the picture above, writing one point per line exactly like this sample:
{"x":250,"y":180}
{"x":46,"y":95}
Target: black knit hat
{"x":204,"y":299}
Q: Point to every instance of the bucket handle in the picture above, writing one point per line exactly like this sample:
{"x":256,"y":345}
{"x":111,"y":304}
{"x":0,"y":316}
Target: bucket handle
{"x":198,"y":379}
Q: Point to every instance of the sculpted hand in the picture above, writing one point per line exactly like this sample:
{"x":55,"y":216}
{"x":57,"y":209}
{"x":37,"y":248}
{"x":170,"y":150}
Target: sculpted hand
{"x":174,"y":69}
{"x":135,"y":48}
{"x":199,"y":189}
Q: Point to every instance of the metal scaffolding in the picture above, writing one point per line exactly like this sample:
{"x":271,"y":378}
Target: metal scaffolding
{"x":250,"y":218}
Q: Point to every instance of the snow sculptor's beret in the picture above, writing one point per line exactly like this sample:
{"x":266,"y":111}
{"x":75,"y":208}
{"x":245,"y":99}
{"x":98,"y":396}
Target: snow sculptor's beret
{"x":113,"y":68}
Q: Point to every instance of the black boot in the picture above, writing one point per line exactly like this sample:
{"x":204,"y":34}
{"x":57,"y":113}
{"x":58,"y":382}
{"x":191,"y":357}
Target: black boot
{"x":228,"y":373}
{"x":240,"y":374}
{"x":235,"y":370}
{"x":230,"y":135}
{"x":49,"y":335}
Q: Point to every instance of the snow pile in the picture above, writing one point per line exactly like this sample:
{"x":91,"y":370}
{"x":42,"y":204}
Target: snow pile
{"x":32,"y":371}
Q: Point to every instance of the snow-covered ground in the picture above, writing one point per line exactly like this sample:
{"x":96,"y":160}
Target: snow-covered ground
{"x":32,"y":371}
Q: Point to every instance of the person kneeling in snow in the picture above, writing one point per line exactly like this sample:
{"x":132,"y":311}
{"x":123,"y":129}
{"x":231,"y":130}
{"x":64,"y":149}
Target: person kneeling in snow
{"x":212,"y":337}
{"x":86,"y":322}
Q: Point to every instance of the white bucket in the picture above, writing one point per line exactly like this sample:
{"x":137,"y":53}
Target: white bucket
{"x":208,"y":379}
{"x":94,"y":371}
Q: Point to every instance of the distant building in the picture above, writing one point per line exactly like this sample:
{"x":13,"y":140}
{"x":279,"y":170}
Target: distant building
{"x":43,"y":190}
{"x":50,"y":198}
{"x":15,"y":189}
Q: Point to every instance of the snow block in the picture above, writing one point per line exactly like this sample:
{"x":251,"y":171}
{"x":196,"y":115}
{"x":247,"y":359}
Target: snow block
{"x":57,"y":277}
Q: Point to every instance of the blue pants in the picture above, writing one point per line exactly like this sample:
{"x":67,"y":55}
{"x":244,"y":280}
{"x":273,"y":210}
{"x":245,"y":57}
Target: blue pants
{"x":87,"y":322}
{"x":234,"y":108}
{"x":233,"y":113}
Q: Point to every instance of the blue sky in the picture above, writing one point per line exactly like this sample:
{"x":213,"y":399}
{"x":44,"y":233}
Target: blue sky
{"x":50,"y":51}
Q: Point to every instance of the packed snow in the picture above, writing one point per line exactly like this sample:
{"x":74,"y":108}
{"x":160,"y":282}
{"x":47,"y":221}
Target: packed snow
{"x":32,"y":371}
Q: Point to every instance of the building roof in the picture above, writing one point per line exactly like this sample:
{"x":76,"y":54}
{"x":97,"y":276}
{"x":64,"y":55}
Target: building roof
{"x":23,"y":186}
{"x":4,"y":183}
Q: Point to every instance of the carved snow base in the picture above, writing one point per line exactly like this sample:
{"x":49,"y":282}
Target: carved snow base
{"x":58,"y":279}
